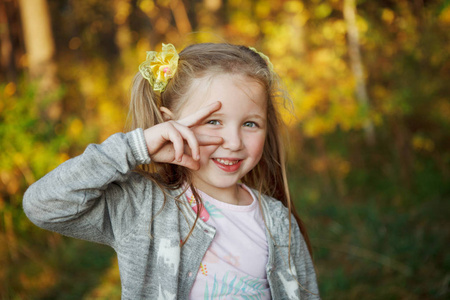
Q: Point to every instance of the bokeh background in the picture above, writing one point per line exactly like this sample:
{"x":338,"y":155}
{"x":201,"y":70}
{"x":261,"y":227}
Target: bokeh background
{"x":369,"y":157}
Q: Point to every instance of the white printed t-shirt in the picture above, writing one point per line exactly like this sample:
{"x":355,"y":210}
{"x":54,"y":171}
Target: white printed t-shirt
{"x":234,"y":266}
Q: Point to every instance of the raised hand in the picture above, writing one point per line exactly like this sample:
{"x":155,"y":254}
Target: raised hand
{"x":174,"y":142}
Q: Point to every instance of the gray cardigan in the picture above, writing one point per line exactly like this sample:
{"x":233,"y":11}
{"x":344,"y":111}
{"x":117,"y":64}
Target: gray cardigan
{"x":97,"y":197}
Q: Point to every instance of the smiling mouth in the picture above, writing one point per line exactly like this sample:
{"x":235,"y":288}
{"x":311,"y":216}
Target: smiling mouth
{"x":228,"y":165}
{"x":227,"y":162}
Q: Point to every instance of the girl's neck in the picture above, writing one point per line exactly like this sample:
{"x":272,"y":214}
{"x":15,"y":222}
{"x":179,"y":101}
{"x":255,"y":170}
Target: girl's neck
{"x":236,"y":195}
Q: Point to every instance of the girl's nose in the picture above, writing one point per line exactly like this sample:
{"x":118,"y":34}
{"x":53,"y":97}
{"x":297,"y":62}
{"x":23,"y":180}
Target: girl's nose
{"x":232,"y":140}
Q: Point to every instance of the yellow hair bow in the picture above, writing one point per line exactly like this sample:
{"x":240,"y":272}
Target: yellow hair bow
{"x":159,"y":67}
{"x":265,"y":57}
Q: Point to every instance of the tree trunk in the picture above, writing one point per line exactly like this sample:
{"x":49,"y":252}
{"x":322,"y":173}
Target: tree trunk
{"x":6,"y":45}
{"x":181,"y":17}
{"x":357,"y":67}
{"x":40,"y":47}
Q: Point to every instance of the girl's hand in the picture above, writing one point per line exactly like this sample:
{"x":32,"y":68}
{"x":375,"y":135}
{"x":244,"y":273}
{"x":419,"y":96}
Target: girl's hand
{"x":174,"y":142}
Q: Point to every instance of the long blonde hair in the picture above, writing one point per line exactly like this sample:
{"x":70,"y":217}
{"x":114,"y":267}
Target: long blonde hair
{"x":200,"y":60}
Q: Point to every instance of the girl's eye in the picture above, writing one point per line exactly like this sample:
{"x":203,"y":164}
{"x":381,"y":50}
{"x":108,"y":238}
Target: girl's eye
{"x":250,"y":124}
{"x":213,"y":122}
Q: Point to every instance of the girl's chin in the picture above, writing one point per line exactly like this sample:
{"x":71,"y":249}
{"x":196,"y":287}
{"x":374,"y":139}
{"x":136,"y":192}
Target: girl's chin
{"x":206,"y":186}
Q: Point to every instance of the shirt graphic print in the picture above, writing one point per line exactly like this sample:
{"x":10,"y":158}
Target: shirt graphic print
{"x":234,"y":267}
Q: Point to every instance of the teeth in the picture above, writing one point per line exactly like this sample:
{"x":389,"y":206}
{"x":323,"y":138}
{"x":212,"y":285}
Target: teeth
{"x":227,"y":162}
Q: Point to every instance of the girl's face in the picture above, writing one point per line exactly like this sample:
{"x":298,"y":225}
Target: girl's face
{"x":241,"y":122}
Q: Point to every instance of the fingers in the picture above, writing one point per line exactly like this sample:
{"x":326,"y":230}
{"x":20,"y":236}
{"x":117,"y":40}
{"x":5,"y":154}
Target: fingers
{"x":191,"y":162}
{"x":188,"y":162}
{"x":190,"y":138}
{"x":194,"y":141}
{"x":203,"y":113}
{"x":175,"y":142}
{"x":207,"y":140}
{"x":175,"y":137}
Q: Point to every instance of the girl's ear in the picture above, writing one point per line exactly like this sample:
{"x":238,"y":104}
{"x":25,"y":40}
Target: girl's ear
{"x":166,"y":114}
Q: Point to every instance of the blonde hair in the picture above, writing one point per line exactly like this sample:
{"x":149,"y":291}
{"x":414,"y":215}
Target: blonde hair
{"x":199,"y":61}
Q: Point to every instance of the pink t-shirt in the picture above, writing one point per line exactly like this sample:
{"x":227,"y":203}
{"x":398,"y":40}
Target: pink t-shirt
{"x":235,"y":263}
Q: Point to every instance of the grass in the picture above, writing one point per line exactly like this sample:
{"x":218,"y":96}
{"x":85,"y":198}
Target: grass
{"x":370,"y":249}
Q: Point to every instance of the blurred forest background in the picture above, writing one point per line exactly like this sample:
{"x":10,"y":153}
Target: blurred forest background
{"x":369,"y":158}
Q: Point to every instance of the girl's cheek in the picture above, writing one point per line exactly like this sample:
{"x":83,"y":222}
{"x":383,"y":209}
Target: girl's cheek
{"x":206,"y":130}
{"x":207,"y":151}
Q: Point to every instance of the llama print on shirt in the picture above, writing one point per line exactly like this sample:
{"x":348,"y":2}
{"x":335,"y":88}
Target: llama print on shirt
{"x":232,"y":260}
{"x":234,"y":287}
{"x":209,"y":209}
{"x":165,"y":295}
{"x":204,"y":215}
{"x":169,"y":255}
{"x":290,"y":286}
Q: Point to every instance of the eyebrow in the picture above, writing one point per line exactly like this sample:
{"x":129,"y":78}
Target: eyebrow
{"x":250,"y":116}
{"x":258,"y":116}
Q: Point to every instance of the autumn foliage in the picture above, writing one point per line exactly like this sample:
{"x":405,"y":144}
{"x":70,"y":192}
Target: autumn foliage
{"x":369,"y":128}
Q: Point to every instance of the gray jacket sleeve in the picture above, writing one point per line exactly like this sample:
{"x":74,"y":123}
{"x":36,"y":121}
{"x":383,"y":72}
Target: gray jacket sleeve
{"x":295,"y":279}
{"x":306,"y":274}
{"x":94,"y":196}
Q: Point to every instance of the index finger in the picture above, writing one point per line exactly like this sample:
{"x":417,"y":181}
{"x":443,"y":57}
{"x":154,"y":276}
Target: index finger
{"x":200,"y":115}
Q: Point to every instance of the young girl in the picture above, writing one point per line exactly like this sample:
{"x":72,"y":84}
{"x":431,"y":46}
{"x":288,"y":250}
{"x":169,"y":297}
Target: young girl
{"x":194,"y":199}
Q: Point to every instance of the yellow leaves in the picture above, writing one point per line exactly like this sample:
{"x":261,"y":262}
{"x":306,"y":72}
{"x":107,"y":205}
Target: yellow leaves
{"x":294,"y":7}
{"x":323,"y":56}
{"x":147,"y":6}
{"x":75,"y":128}
{"x":384,"y":98}
{"x":380,"y":92}
{"x":444,"y":16}
{"x":296,"y":15}
{"x":442,"y":108}
{"x":243,"y":4}
{"x":42,"y":281}
{"x":111,"y":118}
{"x":262,"y":9}
{"x":9,"y":181}
{"x":62,"y":157}
{"x":244,"y":24}
{"x":319,"y":80}
{"x":123,"y":9}
{"x":10,"y":89}
{"x":323,"y":10}
{"x":212,"y":5}
{"x":321,"y":113}
{"x":335,"y":31}
{"x":421,"y":142}
{"x":285,"y":35}
{"x":325,"y":100}
{"x":317,"y":126}
{"x":387,"y":16}
{"x":343,"y":168}
{"x":143,"y":45}
{"x":334,"y":164}
{"x":282,"y":39}
{"x":362,"y":24}
{"x":322,"y":87}
{"x":307,"y":104}
{"x":319,"y":165}
{"x":94,"y":81}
